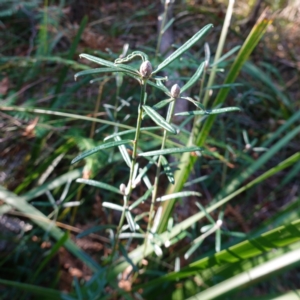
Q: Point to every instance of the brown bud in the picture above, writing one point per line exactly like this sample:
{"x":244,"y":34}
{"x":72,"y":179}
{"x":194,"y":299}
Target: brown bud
{"x":146,"y":69}
{"x":175,"y":91}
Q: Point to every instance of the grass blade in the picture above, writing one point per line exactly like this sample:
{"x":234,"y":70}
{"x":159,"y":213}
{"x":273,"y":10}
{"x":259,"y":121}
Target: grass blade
{"x":279,"y":264}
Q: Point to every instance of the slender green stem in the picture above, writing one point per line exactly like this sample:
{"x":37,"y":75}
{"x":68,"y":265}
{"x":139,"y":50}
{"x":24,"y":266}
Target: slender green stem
{"x":156,"y":180}
{"x":133,"y":162}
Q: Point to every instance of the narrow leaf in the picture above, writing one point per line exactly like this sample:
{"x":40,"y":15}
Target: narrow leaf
{"x":159,"y":86}
{"x":192,"y":249}
{"x":196,"y":103}
{"x":226,"y":55}
{"x":99,"y":184}
{"x":99,"y":148}
{"x":184,"y":47}
{"x":162,"y":103}
{"x":167,"y":169}
{"x":152,"y":128}
{"x":95,"y":71}
{"x":112,"y":206}
{"x":131,"y":56}
{"x":170,"y":151}
{"x":158,"y":119}
{"x":178,"y":195}
{"x":194,"y":78}
{"x":124,"y":152}
{"x":128,"y":235}
{"x":94,"y":229}
{"x":130,"y":221}
{"x":208,"y":112}
{"x":127,"y":69}
{"x":141,"y":199}
{"x":127,"y":258}
{"x":98,"y":60}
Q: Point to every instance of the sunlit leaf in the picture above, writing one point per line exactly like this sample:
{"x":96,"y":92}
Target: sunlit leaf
{"x":178,"y":195}
{"x":99,"y":184}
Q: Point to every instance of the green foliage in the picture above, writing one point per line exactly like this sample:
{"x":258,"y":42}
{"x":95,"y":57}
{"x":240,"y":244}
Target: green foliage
{"x":137,"y":181}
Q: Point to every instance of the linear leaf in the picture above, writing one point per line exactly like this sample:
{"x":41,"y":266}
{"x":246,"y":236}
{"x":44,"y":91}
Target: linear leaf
{"x":112,"y":206}
{"x":151,"y":128}
{"x":162,"y":103}
{"x":53,"y":184}
{"x":167,"y":169}
{"x":99,"y":184}
{"x":178,"y":195}
{"x":159,"y":86}
{"x":196,"y":103}
{"x":221,"y":86}
{"x":130,"y":221}
{"x":230,"y":52}
{"x":170,"y":151}
{"x":194,"y":78}
{"x":94,"y":229}
{"x":127,"y":68}
{"x":124,"y":152}
{"x":127,"y":258}
{"x":141,"y":199}
{"x":131,"y":56}
{"x":158,"y":119}
{"x":99,"y":148}
{"x":208,"y":112}
{"x":194,"y":39}
{"x":128,"y":235}
{"x":98,"y":60}
{"x":95,"y":71}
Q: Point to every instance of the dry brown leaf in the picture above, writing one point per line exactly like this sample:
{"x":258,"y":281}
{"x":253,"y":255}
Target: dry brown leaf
{"x":29,"y":130}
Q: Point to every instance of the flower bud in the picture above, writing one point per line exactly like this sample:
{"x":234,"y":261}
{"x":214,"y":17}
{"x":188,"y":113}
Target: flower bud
{"x":123,"y":189}
{"x":175,"y":91}
{"x":146,"y":69}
